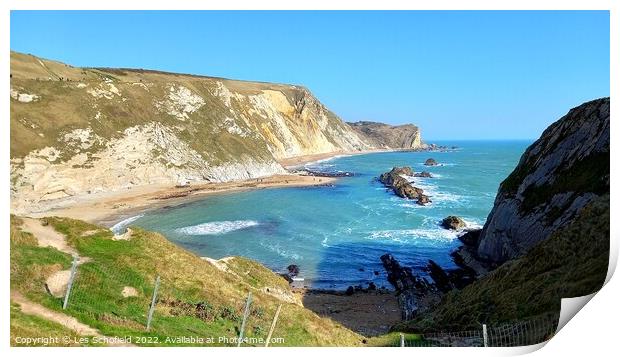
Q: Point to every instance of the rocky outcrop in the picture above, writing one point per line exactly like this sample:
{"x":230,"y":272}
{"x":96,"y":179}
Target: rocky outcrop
{"x":430,"y":162}
{"x":397,"y":181}
{"x":453,"y":222}
{"x":79,"y":131}
{"x":387,"y":136}
{"x":415,"y":295}
{"x":559,"y":174}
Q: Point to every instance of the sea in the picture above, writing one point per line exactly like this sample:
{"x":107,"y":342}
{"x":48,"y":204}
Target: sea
{"x":337,"y":233}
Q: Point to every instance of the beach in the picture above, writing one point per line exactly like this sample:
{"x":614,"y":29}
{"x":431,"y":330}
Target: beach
{"x":107,"y":208}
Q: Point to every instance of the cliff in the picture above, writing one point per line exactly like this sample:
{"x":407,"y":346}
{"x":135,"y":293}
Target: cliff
{"x":387,"y":136}
{"x":547,"y":236}
{"x":76,"y":131}
{"x":558,"y":175}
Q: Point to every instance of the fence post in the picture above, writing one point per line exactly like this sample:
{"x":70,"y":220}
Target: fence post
{"x":245,"y":316}
{"x":273,"y":325}
{"x":70,"y":283}
{"x":402,"y":340}
{"x":484,"y":335}
{"x":153,"y":302}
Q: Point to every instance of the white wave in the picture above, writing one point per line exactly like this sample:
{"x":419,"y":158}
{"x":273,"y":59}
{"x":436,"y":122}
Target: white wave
{"x":432,"y":190}
{"x":282,"y":252}
{"x":327,"y":159}
{"x":216,"y":227}
{"x":408,"y":235}
{"x":472,"y":224}
{"x":121,"y":227}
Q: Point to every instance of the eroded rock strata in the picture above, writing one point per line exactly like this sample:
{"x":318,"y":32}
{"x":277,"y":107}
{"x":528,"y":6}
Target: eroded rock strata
{"x":78,"y":131}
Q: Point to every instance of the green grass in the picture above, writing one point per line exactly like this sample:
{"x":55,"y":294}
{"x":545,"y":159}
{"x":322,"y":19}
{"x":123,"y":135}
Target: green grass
{"x":392,"y":339}
{"x":25,"y":326}
{"x":194,"y":299}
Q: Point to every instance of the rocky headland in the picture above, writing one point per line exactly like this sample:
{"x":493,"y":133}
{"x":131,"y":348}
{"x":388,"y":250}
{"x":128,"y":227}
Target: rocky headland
{"x":76,"y":131}
{"x":547,"y":236}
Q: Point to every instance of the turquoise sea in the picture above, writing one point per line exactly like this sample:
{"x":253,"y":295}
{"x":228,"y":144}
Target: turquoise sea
{"x":336,"y":234}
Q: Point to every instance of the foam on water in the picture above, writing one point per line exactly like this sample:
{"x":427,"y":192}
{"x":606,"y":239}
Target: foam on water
{"x":412,"y":235}
{"x":216,"y":228}
{"x":121,"y":227}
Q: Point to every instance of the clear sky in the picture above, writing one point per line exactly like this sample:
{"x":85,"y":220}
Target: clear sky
{"x":458,"y":75}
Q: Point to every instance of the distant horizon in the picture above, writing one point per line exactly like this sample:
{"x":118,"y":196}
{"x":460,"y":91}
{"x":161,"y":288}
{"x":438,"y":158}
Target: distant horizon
{"x":492,"y":75}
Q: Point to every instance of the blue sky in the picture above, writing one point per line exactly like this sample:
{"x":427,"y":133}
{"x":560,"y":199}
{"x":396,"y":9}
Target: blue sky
{"x":458,"y":75}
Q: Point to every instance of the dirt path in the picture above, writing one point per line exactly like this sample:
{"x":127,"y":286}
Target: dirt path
{"x":30,"y":308}
{"x":47,"y":236}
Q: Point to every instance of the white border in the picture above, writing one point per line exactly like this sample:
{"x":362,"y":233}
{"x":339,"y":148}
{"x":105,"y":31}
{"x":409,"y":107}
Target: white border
{"x":592,"y":330}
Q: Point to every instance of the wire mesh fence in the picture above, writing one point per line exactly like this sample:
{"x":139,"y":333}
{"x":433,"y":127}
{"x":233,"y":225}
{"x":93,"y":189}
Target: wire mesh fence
{"x":121,"y":302}
{"x":124,"y":302}
{"x":517,"y":333}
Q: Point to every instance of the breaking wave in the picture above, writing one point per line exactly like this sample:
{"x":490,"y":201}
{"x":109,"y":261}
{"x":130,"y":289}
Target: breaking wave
{"x":216,"y":228}
{"x":121,"y":227}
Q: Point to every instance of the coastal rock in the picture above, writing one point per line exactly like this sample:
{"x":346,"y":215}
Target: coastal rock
{"x":471,"y":237}
{"x":423,"y":174}
{"x":453,"y":222}
{"x":401,"y":186}
{"x":415,"y":295}
{"x":293,"y":269}
{"x":388,"y":178}
{"x":430,"y":162}
{"x":563,"y":171}
{"x":423,"y":200}
{"x":439,"y":276}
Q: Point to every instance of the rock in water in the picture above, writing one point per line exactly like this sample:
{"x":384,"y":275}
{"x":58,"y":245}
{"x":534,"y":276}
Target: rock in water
{"x":293,"y":269}
{"x":423,"y":174}
{"x":415,"y":295}
{"x":401,"y":186}
{"x":430,"y":162}
{"x":453,"y":222}
{"x":563,"y":171}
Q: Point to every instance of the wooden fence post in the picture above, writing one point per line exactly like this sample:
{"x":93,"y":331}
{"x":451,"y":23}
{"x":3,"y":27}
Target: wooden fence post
{"x":484,"y":335}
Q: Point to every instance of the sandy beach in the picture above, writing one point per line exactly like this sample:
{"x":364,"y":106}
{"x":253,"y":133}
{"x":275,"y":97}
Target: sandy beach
{"x":110,"y":207}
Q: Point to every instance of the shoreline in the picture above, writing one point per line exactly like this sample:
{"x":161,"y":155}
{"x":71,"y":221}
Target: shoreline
{"x":112,"y":207}
{"x":109,"y":208}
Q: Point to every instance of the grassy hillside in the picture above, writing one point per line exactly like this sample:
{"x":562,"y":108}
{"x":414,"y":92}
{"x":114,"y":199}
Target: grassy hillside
{"x":196,"y":298}
{"x":572,"y":262}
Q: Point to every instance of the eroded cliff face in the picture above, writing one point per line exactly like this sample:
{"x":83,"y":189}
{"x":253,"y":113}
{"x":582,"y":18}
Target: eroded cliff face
{"x":76,"y":131}
{"x":387,"y":136}
{"x":558,"y":175}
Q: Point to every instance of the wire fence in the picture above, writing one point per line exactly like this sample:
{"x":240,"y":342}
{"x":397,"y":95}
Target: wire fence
{"x":519,"y":333}
{"x":121,"y":302}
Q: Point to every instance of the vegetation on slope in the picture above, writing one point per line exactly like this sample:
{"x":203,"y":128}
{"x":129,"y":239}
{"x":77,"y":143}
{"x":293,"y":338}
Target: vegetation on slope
{"x":196,"y":298}
{"x":572,"y":262}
